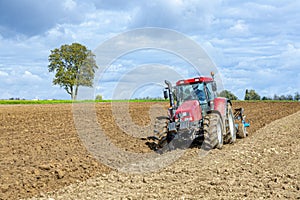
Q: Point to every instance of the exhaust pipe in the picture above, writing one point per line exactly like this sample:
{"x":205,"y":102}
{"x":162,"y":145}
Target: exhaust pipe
{"x":171,"y":98}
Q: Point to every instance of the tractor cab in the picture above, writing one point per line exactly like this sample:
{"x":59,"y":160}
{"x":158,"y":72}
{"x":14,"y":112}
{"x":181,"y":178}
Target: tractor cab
{"x":191,"y":98}
{"x":200,"y":89}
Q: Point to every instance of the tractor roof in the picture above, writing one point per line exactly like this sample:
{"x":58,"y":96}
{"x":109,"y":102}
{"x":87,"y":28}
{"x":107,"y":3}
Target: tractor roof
{"x":195,"y":80}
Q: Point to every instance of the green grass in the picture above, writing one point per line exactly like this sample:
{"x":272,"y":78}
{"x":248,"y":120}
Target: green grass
{"x":142,"y":100}
{"x":70,"y":101}
{"x":34,"y":101}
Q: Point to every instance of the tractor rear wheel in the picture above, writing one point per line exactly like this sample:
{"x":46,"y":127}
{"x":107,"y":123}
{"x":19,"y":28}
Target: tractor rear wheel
{"x":230,"y":127}
{"x":213,"y":131}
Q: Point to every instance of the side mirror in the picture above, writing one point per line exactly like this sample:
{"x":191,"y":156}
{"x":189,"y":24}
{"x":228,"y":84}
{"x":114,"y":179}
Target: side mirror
{"x":166,"y":94}
{"x":214,"y":86}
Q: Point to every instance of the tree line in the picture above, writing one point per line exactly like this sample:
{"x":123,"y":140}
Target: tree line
{"x":253,"y":95}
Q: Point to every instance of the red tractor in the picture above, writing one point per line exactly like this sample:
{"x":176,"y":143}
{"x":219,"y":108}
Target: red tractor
{"x":196,"y":114}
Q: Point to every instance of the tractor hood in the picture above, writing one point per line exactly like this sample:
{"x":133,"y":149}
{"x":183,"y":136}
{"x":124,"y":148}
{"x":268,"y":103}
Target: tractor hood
{"x":189,"y":111}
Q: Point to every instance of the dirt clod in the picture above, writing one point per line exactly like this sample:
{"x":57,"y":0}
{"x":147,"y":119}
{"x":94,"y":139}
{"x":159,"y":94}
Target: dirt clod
{"x":60,"y":173}
{"x":45,"y":167}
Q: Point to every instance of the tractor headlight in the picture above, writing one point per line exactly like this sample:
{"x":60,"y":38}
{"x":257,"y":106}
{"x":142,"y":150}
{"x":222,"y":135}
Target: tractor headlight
{"x":185,"y":114}
{"x":188,"y":119}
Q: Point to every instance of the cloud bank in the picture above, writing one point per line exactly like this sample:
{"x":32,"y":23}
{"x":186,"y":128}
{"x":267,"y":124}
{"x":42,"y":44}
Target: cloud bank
{"x":254,"y":44}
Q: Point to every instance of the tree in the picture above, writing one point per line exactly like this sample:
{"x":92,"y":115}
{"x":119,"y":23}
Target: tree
{"x":297,"y":96}
{"x":289,"y":97}
{"x":246,"y":95}
{"x":282,"y":98}
{"x":276,"y":97}
{"x":227,"y":94}
{"x":266,"y":98}
{"x":251,"y":95}
{"x":74,"y":65}
{"x":99,"y":97}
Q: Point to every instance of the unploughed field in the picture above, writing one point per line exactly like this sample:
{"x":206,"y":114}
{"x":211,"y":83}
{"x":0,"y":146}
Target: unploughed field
{"x":41,"y":154}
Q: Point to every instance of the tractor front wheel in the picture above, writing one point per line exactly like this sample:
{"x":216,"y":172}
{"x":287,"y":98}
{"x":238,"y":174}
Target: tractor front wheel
{"x":213,"y":131}
{"x":159,"y":140}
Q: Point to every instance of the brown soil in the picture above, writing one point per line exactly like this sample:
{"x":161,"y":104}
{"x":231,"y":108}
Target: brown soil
{"x":263,"y":166}
{"x":41,"y":151}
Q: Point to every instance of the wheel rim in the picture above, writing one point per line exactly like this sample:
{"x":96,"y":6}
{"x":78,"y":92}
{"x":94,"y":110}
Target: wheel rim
{"x":219,"y":132}
{"x":231,"y":125}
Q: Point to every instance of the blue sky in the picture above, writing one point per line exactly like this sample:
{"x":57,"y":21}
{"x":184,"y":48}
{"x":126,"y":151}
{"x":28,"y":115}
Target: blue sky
{"x":254,"y":44}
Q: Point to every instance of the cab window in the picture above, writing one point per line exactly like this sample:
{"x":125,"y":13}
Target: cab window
{"x":209,"y":91}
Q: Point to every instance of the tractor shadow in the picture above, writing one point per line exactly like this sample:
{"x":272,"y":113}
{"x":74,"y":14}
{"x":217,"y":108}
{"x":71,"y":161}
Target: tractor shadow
{"x":198,"y":143}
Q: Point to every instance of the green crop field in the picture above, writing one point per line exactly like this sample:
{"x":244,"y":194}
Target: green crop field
{"x":34,"y":101}
{"x":70,"y":101}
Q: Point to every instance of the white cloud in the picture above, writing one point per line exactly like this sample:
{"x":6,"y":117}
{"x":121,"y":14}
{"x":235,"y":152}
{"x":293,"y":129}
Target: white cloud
{"x":69,"y":4}
{"x":239,"y":28}
{"x":290,"y":58}
{"x":135,"y":81}
{"x":28,"y":76}
{"x":3,"y":73}
{"x":246,"y":39}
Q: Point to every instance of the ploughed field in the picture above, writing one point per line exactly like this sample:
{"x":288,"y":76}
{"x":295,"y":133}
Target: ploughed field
{"x":41,"y":152}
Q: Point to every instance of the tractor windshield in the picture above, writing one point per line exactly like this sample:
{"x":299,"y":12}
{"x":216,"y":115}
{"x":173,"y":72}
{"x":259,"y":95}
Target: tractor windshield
{"x":190,"y":92}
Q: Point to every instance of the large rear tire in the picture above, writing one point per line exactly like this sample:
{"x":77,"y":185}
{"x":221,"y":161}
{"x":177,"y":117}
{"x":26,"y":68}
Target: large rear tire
{"x":213,"y":131}
{"x":230,"y":127}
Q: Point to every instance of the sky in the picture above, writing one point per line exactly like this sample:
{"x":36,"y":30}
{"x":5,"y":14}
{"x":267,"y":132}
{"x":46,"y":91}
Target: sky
{"x":253,"y":44}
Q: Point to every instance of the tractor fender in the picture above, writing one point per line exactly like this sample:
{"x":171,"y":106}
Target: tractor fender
{"x":220,"y":104}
